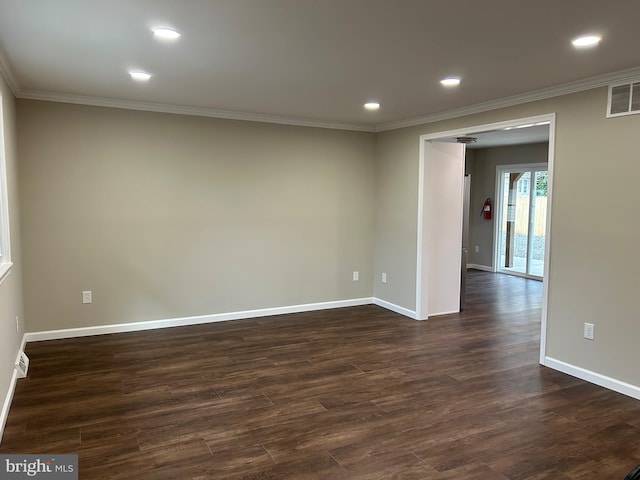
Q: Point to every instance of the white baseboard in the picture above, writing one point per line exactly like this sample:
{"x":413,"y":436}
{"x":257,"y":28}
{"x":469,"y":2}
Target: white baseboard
{"x":395,"y":308}
{"x":6,"y":405}
{"x":476,"y":266}
{"x":4,"y":414}
{"x":195,"y":320}
{"x":593,"y":377}
{"x":445,"y":312}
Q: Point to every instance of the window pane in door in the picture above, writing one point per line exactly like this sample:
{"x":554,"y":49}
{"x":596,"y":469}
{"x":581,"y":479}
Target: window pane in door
{"x":522,"y":216}
{"x":515,"y":225}
{"x":538,"y":230}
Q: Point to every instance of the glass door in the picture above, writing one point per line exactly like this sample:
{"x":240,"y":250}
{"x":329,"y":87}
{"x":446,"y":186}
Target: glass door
{"x":522,"y":213}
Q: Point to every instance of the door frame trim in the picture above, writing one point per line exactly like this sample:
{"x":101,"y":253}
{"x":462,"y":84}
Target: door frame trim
{"x":421,"y":310}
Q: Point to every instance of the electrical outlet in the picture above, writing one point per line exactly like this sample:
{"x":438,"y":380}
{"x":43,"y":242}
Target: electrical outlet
{"x":384,"y":278}
{"x":477,"y":249}
{"x":589,"y":331}
{"x":356,"y":276}
{"x":86,"y":296}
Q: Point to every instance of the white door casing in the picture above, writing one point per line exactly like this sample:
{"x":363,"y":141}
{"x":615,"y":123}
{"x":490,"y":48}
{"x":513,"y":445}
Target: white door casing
{"x":428,"y":238}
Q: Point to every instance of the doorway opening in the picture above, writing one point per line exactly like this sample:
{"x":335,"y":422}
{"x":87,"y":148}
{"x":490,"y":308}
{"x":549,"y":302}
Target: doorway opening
{"x":430,"y":237}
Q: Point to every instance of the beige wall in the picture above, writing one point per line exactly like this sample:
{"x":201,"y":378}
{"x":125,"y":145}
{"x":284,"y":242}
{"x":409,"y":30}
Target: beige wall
{"x":396,"y":217}
{"x":593,"y":271}
{"x":481,"y":164}
{"x":165,"y":216}
{"x":11,"y":287}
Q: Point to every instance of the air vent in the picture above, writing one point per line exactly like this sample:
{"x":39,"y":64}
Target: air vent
{"x":624,"y":99}
{"x":22,"y":364}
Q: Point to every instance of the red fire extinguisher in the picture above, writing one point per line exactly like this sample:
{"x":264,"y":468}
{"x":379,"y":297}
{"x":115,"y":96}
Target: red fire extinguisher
{"x":486,"y":209}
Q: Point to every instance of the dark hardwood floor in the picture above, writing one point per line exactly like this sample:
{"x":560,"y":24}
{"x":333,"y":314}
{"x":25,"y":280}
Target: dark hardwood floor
{"x":354,"y":393}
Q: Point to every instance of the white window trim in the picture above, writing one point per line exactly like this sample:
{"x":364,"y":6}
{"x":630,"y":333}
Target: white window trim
{"x":5,"y":237}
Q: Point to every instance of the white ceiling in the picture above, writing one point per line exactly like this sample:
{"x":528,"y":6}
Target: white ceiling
{"x":312,"y":60}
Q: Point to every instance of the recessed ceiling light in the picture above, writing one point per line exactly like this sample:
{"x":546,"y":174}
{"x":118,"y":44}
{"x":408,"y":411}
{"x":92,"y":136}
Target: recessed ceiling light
{"x":140,"y":75}
{"x":167,"y":33}
{"x":372,"y":105}
{"x":586,"y":41}
{"x":450,"y":82}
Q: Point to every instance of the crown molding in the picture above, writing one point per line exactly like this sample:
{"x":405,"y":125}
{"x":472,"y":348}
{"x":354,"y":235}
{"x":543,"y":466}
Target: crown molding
{"x":542,"y":94}
{"x":185,"y":110}
{"x":6,"y":71}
